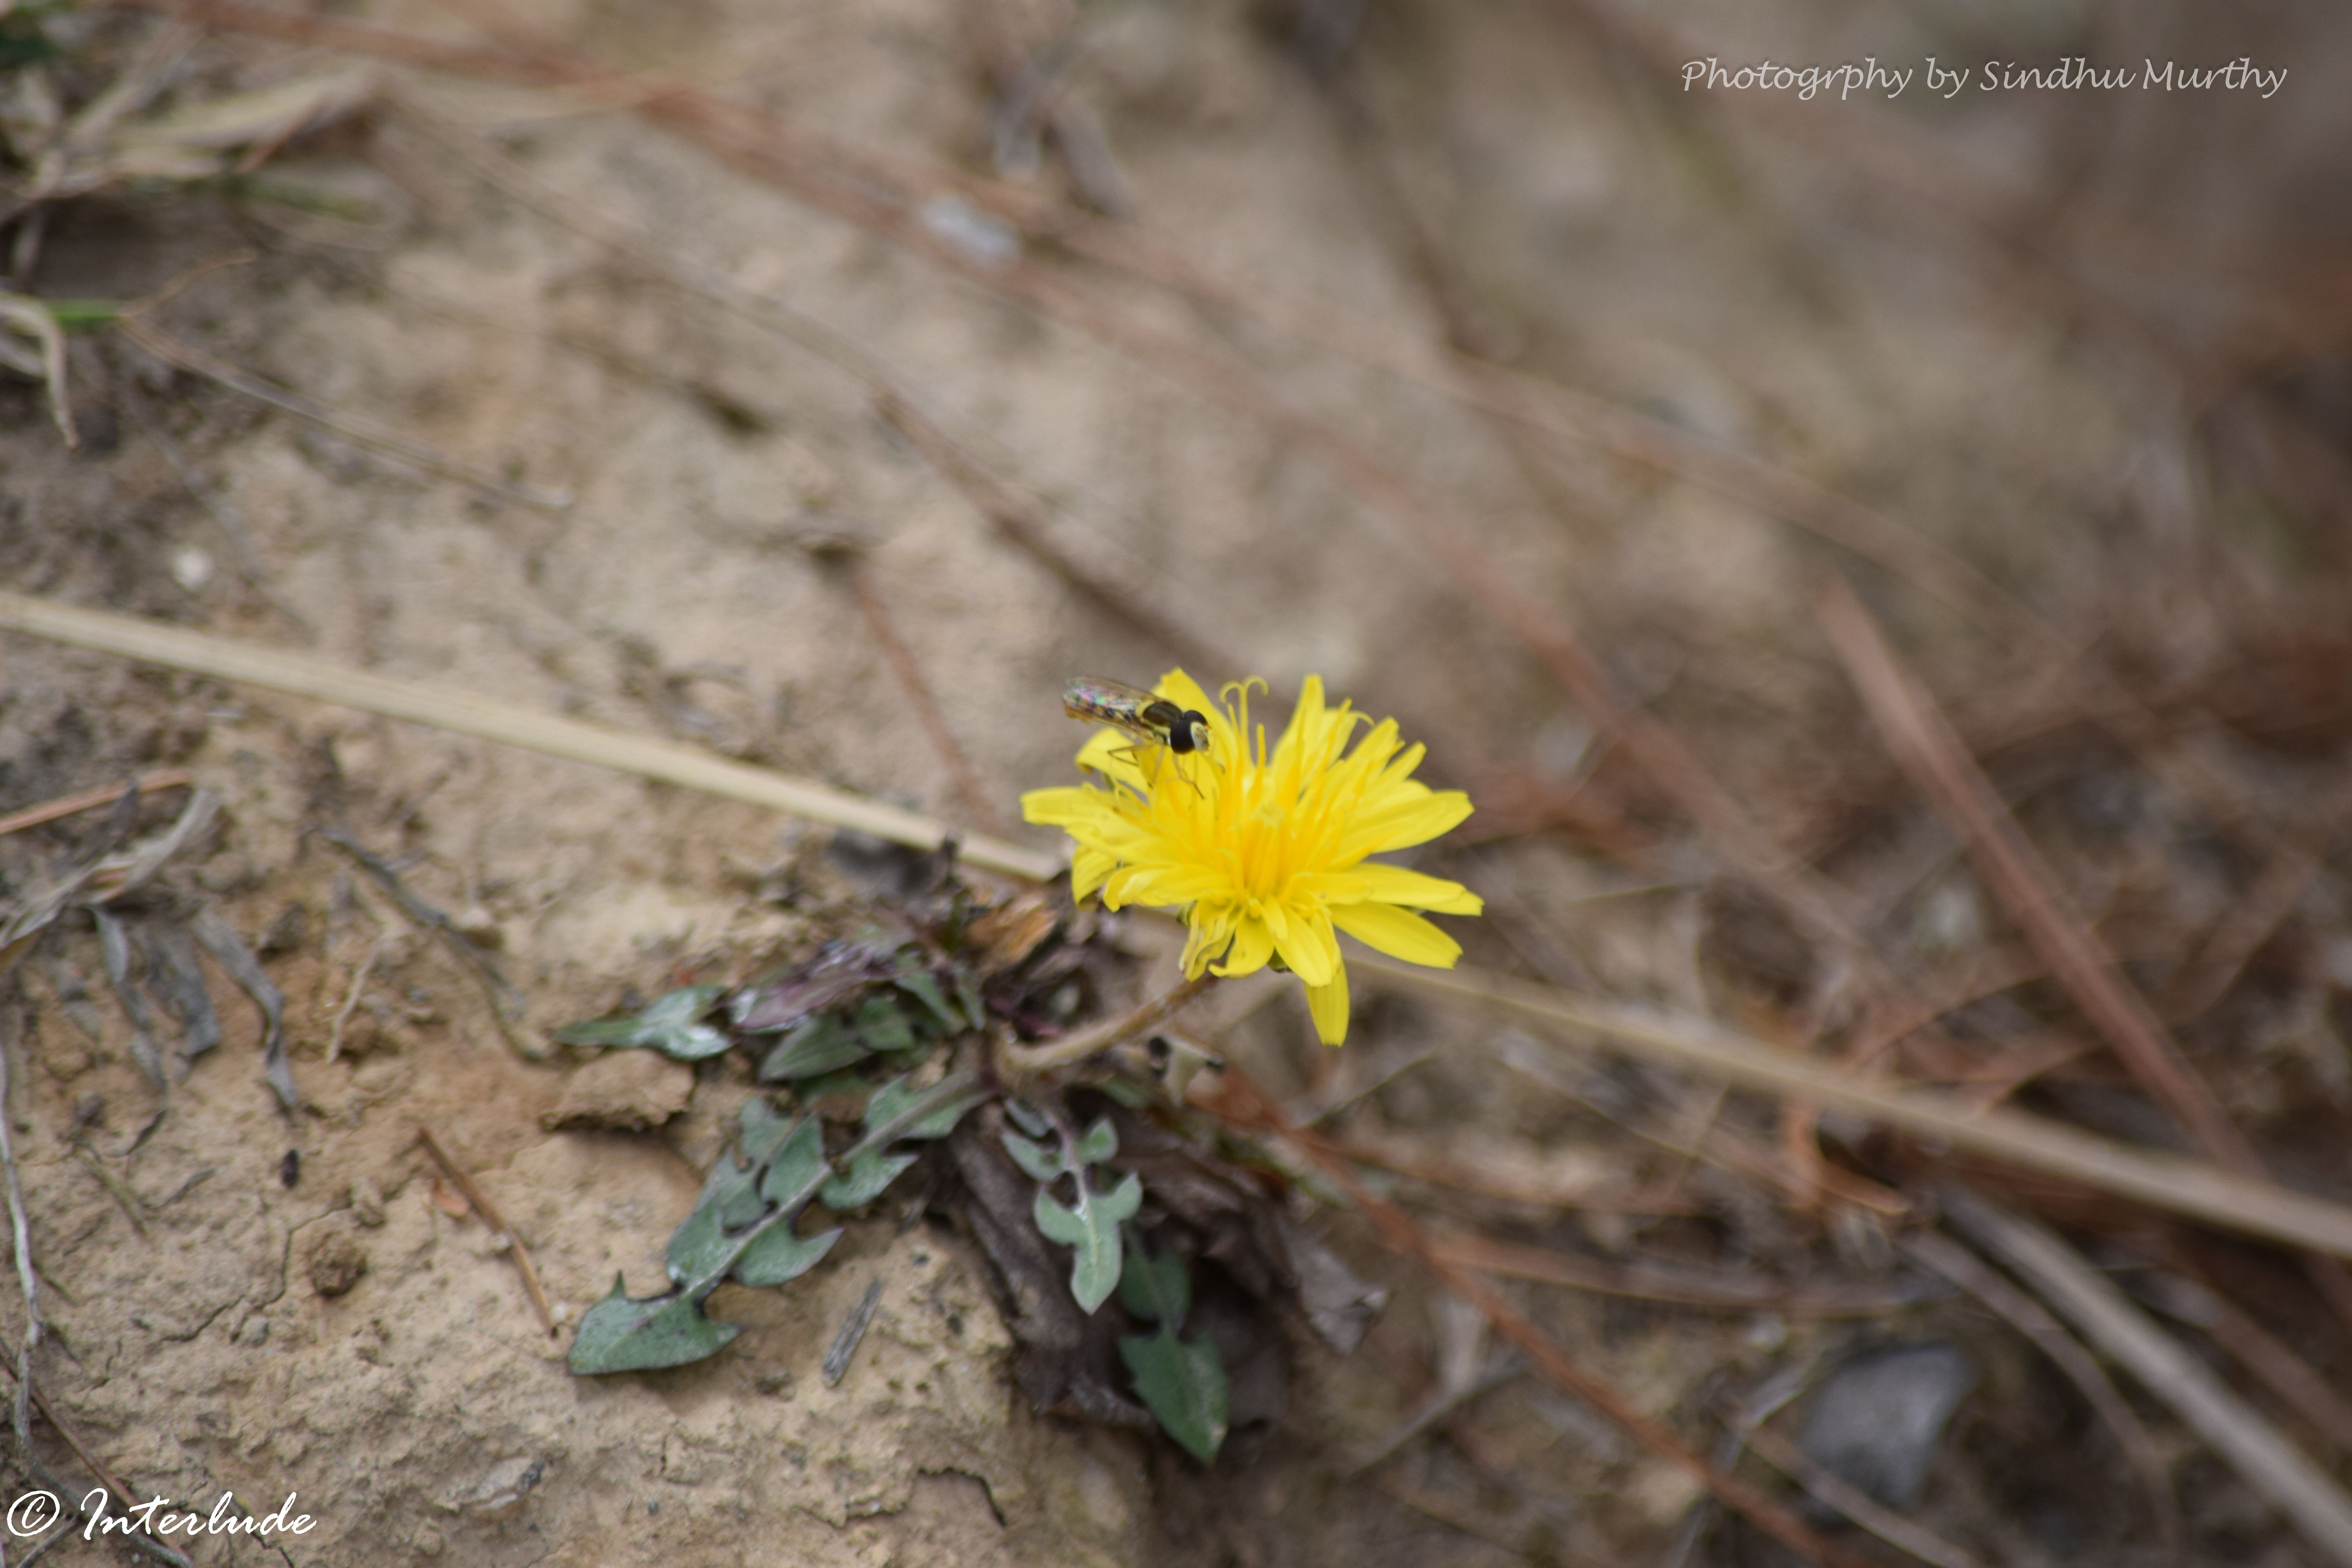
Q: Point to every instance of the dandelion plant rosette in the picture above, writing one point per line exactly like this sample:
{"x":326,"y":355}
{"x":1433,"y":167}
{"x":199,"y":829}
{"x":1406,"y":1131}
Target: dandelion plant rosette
{"x":1267,"y":854}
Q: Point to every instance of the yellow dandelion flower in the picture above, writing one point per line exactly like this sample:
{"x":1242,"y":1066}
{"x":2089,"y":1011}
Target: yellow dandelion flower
{"x":1266,"y":853}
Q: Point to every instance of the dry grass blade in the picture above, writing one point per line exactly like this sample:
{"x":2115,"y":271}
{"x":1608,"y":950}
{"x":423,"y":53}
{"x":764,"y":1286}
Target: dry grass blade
{"x":29,"y":317}
{"x":2175,"y":1185}
{"x":2253,"y":1447}
{"x":508,"y":723}
{"x":1940,"y":767}
{"x":2295,"y":1379}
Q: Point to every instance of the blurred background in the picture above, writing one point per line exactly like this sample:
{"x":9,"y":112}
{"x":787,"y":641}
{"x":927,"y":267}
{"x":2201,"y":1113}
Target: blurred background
{"x":825,"y":383}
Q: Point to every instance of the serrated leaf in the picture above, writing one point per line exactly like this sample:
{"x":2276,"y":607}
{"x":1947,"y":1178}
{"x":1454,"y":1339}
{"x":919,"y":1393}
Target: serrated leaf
{"x":882,"y":1024}
{"x":669,"y":1025}
{"x":895,"y":1096}
{"x":1043,"y":1164}
{"x":1027,"y":1118}
{"x":799,"y":1162}
{"x":1098,"y":1142}
{"x":1092,"y":1229}
{"x":729,"y":1200}
{"x":815,"y":1046}
{"x":618,"y":1334}
{"x":761,"y":1131}
{"x":867,"y":1176}
{"x":1157,"y":1290}
{"x":779,"y":1256}
{"x":1184,"y":1383}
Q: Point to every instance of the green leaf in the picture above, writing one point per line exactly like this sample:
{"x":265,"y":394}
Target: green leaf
{"x":816,"y":1046}
{"x":729,"y":1197}
{"x":1042,"y":1163}
{"x":1092,"y":1228}
{"x":762,"y":1130}
{"x":811,"y":1090}
{"x":798,"y":1161}
{"x":1184,"y":1383}
{"x":975,"y":1007}
{"x":618,"y":1334}
{"x":917,"y":982}
{"x":1028,"y":1117}
{"x":1099,"y":1143}
{"x":867,"y":1176}
{"x":895,"y":1096}
{"x":1157,"y":1290}
{"x":779,"y":1255}
{"x":1133,"y":1096}
{"x":671,"y":1026}
{"x":883,"y":1025}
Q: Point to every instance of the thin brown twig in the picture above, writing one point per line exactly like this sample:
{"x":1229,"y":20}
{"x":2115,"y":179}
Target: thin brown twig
{"x":2242,"y":929}
{"x":352,"y":1000}
{"x":494,"y":1219}
{"x":1242,"y":1103}
{"x":1857,"y":1505}
{"x":1024,"y":523}
{"x":1682,"y":1286}
{"x":2029,"y":1318}
{"x":106,"y":795}
{"x":917,"y":692}
{"x":134,"y":325}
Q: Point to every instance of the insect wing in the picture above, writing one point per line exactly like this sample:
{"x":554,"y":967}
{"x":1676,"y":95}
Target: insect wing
{"x":1114,"y":703}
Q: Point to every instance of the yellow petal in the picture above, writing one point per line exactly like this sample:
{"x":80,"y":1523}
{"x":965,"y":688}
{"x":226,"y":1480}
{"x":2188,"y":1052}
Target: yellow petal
{"x":1088,"y":869}
{"x":1389,"y":885}
{"x":1398,"y":933}
{"x":1302,"y":934}
{"x":1053,"y":807}
{"x":1209,"y":931}
{"x":1252,"y":945}
{"x":1403,"y":821}
{"x":1329,"y":1003}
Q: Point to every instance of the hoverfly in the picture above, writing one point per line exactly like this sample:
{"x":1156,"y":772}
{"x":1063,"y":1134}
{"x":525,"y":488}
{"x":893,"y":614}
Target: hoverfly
{"x":1152,"y":720}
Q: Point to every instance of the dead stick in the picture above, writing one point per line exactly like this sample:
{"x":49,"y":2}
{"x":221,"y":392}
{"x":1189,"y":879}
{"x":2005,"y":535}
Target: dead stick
{"x":489,"y":1212}
{"x":910,"y":675}
{"x":66,"y":805}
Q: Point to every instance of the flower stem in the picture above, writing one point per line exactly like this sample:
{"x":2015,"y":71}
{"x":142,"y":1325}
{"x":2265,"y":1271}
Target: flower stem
{"x":1027,"y":1061}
